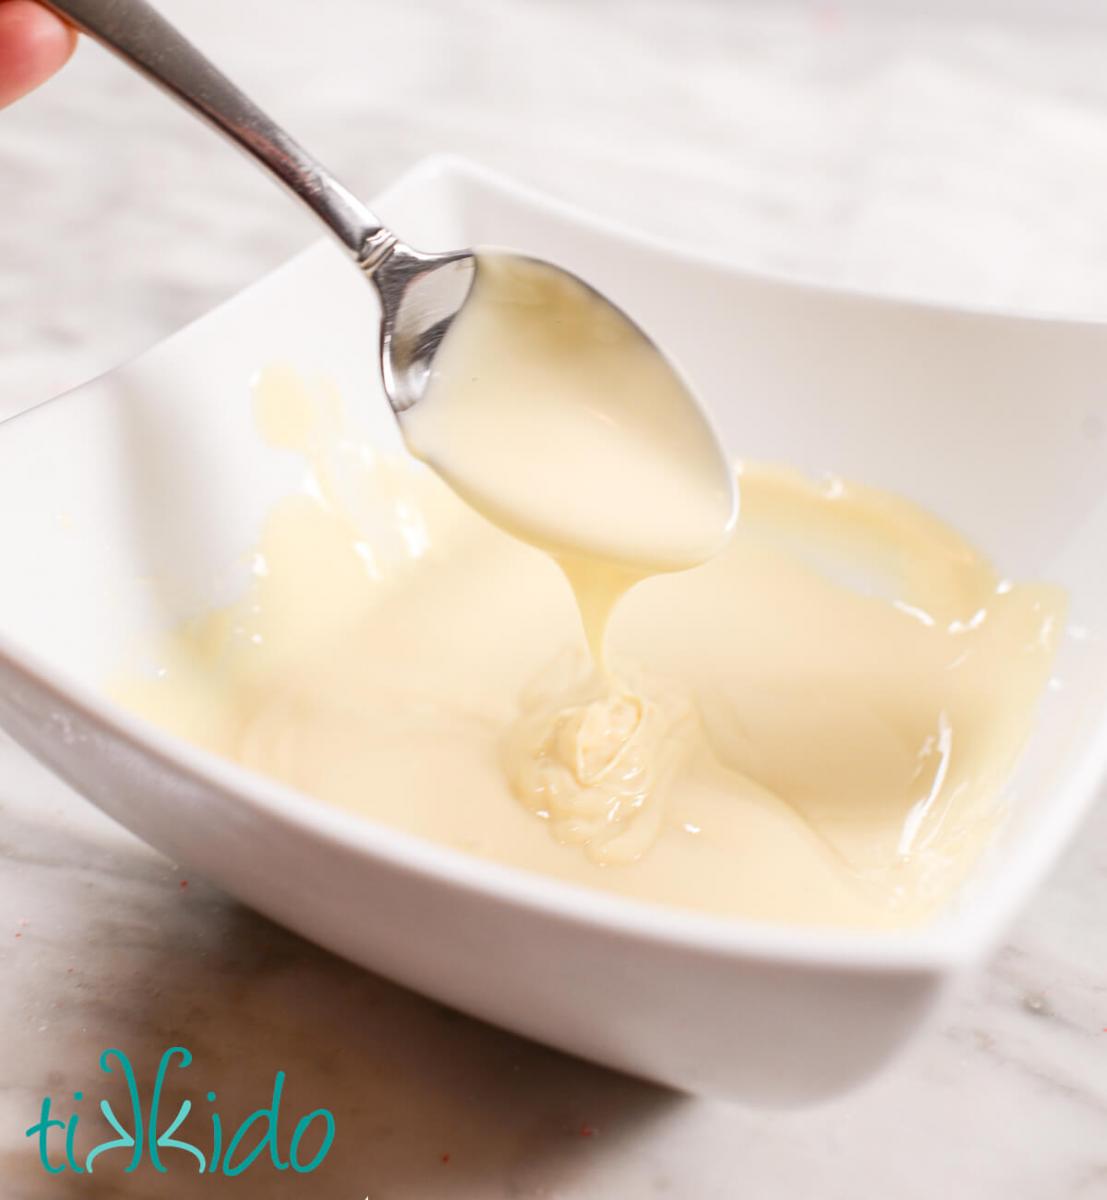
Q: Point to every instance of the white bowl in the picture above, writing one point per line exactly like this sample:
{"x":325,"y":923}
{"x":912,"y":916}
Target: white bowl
{"x":156,"y":472}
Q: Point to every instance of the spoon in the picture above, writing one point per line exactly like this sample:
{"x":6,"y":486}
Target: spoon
{"x":422,"y":294}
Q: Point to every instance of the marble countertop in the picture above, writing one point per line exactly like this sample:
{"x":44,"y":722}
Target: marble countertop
{"x":862,"y":143}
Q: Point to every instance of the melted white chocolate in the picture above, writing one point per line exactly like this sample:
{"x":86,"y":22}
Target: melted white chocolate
{"x":549,"y":412}
{"x":812,"y":727}
{"x":596,"y":758}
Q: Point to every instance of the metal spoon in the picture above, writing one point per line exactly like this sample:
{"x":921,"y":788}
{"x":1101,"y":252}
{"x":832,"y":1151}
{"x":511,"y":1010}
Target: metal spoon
{"x":420,"y":294}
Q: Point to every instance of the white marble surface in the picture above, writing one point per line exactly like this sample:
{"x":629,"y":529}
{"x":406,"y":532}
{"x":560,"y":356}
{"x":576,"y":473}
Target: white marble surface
{"x":856,"y":143}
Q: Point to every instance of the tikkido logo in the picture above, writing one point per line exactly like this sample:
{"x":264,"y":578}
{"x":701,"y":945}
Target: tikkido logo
{"x":138,"y":1135}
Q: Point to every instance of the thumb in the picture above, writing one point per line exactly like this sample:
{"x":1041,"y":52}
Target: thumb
{"x":34,"y":43}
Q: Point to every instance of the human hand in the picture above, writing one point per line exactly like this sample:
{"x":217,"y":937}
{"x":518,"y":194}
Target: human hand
{"x":34,"y":43}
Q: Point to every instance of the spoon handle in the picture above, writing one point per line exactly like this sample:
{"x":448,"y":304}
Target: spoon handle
{"x":145,"y":40}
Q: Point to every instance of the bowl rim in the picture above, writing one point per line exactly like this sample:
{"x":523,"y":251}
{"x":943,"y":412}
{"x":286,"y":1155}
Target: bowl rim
{"x":950,"y":941}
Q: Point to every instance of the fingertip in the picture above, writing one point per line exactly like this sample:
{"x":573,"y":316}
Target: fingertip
{"x":34,"y":43}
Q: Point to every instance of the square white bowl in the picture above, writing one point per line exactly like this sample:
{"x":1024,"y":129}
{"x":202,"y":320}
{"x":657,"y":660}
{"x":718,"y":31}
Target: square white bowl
{"x":156,"y":472}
